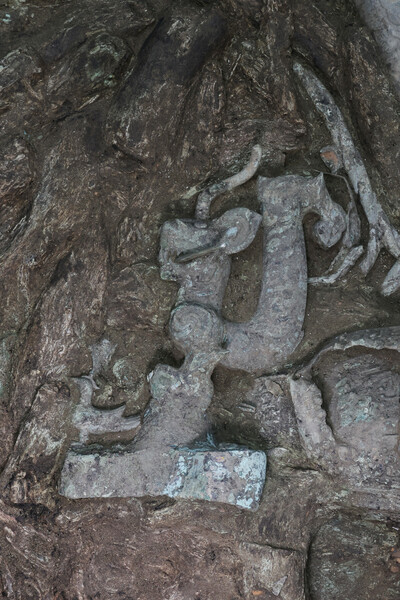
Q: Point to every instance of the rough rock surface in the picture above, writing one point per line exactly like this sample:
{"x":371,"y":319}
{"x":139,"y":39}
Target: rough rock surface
{"x":364,"y":566}
{"x":383,"y":17}
{"x":231,"y":475}
{"x":114,"y":115}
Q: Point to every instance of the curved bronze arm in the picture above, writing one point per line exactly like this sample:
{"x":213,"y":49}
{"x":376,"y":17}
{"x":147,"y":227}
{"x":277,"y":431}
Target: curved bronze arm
{"x":207,"y":196}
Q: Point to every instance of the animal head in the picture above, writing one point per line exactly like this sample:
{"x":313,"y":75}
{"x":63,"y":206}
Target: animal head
{"x":188,"y":244}
{"x":184,"y":242}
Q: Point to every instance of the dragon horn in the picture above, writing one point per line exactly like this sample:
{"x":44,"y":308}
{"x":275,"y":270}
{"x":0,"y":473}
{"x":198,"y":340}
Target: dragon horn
{"x":207,"y":196}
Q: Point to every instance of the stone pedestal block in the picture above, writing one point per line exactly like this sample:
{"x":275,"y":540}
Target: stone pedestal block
{"x":231,"y":475}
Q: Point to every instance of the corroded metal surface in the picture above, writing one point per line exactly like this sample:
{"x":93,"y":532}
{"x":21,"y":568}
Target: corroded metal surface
{"x":382,"y":234}
{"x":176,"y":414}
{"x":115,"y":118}
{"x":233,"y":476}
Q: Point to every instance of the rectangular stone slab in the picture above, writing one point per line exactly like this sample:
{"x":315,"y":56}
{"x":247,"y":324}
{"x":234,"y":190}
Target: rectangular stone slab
{"x":234,"y":476}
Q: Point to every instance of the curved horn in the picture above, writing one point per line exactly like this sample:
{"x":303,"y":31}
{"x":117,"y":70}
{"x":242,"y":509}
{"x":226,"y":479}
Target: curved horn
{"x":207,"y":196}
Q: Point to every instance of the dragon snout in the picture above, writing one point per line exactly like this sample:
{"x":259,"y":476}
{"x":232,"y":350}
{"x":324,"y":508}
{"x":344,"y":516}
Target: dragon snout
{"x":328,"y":230}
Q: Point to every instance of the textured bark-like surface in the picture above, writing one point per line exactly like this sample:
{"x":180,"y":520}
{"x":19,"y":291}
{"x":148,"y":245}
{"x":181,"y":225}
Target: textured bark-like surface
{"x":114,"y":115}
{"x":383,"y":17}
{"x":362,"y":567}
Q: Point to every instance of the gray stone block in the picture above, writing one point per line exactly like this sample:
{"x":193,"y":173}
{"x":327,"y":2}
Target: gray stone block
{"x":231,"y":475}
